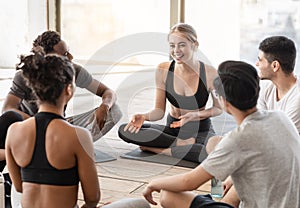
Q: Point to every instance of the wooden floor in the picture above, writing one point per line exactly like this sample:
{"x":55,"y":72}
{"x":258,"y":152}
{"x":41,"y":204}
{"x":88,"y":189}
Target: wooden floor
{"x":123,"y":178}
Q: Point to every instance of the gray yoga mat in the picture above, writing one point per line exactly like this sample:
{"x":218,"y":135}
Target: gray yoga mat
{"x":102,"y":157}
{"x":137,"y":154}
{"x":222,"y":124}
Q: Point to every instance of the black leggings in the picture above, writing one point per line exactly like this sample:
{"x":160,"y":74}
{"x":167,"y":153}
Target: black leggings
{"x":6,"y":119}
{"x":159,"y":136}
{"x":206,"y":201}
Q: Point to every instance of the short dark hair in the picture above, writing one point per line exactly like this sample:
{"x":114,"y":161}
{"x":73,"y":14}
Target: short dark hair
{"x":47,"y":40}
{"x":238,"y":83}
{"x":282,"y":49}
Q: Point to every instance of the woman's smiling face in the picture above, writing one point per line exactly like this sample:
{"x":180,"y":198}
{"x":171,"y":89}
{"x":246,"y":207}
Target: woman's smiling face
{"x":181,"y":49}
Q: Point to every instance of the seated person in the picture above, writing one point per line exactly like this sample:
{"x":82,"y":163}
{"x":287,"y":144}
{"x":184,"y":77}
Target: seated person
{"x":47,"y":156}
{"x":186,"y":83}
{"x":276,"y":62}
{"x":22,"y":100}
{"x":265,"y":172}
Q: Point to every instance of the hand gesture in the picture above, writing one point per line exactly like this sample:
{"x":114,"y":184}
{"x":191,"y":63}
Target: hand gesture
{"x":147,"y":193}
{"x":101,"y":115}
{"x":183,"y":120}
{"x":135,"y":124}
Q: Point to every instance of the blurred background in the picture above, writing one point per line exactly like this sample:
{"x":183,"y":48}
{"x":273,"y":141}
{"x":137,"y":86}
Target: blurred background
{"x":227,"y":29}
{"x":121,"y":38}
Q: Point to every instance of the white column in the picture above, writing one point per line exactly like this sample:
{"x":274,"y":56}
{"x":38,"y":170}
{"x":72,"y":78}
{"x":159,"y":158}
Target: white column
{"x":20,"y":22}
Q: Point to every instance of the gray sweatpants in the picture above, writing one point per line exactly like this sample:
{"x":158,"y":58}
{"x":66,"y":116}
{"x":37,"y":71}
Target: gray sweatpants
{"x":88,"y":121}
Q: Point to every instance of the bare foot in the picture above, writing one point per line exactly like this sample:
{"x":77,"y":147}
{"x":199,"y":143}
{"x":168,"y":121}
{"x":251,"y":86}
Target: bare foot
{"x":156,"y":150}
{"x":183,"y":142}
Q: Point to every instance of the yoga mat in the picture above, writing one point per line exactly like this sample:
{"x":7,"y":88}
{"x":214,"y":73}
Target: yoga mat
{"x":102,"y":157}
{"x":137,"y":154}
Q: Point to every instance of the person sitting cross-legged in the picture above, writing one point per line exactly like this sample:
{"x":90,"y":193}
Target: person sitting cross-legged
{"x":265,"y":173}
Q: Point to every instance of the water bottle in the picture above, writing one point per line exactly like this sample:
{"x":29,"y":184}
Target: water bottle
{"x":216,"y":188}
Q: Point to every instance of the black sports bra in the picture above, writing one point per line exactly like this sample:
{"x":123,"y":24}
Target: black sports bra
{"x":39,"y":170}
{"x":196,"y":101}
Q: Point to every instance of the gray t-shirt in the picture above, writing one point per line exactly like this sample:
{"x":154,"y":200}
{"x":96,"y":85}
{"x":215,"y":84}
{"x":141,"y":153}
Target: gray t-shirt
{"x":262,"y":156}
{"x":28,"y":104}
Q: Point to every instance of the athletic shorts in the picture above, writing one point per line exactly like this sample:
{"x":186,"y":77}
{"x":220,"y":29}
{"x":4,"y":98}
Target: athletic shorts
{"x":206,"y":201}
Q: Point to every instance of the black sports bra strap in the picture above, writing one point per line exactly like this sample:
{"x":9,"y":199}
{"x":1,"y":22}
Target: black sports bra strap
{"x":172,"y":66}
{"x":203,"y":74}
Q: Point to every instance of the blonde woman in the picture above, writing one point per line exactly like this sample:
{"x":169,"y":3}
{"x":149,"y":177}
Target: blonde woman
{"x":185,"y":82}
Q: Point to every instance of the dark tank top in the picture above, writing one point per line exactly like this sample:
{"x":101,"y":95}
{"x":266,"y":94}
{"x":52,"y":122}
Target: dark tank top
{"x":39,"y":170}
{"x":196,"y":101}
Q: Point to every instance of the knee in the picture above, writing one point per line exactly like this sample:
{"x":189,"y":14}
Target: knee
{"x":231,"y":197}
{"x":141,"y":203}
{"x":121,"y":128}
{"x":212,"y":142}
{"x":116,"y":113}
{"x":166,"y":198}
{"x":10,"y":117}
{"x":121,"y":132}
{"x":129,"y":203}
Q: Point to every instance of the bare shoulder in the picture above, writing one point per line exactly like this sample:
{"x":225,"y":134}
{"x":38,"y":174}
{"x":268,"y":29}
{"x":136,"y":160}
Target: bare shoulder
{"x":19,"y":130}
{"x":75,"y":134}
{"x":20,"y":139}
{"x":82,"y":133}
{"x":164,"y":66}
{"x":210,"y":70}
{"x":85,"y":140}
{"x":211,"y":74}
{"x":162,"y":69}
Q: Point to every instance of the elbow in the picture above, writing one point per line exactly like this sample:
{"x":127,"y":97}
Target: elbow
{"x":18,"y":188}
{"x":160,"y":117}
{"x":109,"y":94}
{"x":97,"y":196}
{"x":219,"y":111}
{"x":5,"y":108}
{"x":160,"y":113}
{"x":93,"y":200}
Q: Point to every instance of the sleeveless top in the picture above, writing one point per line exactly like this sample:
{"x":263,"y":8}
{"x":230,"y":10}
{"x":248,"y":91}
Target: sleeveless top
{"x":39,"y":170}
{"x":196,"y":101}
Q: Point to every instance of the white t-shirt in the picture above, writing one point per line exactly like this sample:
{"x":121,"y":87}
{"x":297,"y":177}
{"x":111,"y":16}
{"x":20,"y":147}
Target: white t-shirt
{"x":290,"y":103}
{"x":262,"y":156}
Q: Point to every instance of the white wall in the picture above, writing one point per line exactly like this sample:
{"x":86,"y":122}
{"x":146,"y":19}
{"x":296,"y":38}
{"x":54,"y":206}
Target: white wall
{"x":20,"y":22}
